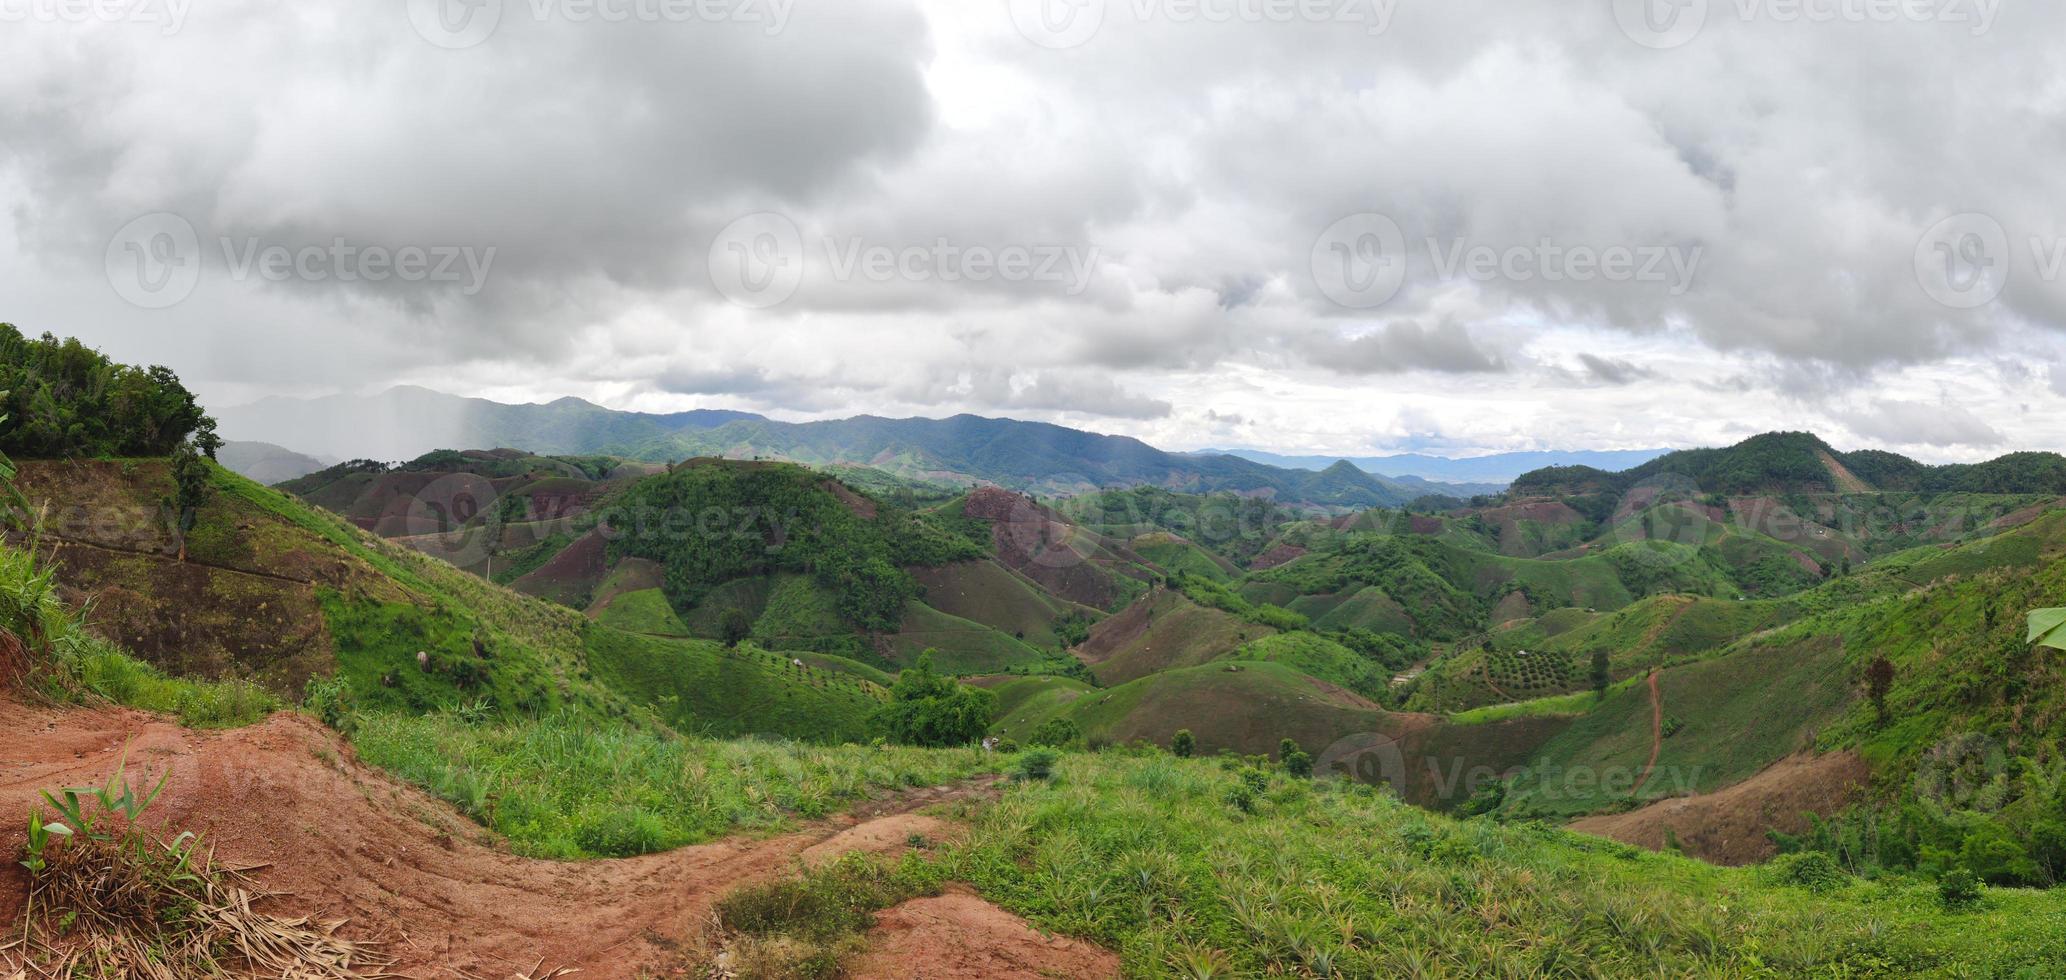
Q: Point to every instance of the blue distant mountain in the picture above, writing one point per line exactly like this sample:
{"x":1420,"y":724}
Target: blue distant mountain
{"x":1490,"y":473}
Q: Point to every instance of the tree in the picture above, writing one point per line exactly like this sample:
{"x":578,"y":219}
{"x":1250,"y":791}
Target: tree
{"x":68,"y":399}
{"x":1294,"y":759}
{"x":1055,"y":733}
{"x":734,"y":626}
{"x":1182,"y":745}
{"x":191,"y":482}
{"x":934,"y":711}
{"x":1603,"y":672}
{"x":1879,"y":681}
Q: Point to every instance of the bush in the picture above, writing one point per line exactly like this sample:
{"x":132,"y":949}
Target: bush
{"x":930,"y":710}
{"x":1958,"y":889}
{"x":1812,"y":870}
{"x":1035,"y":764}
{"x":620,"y":833}
{"x":1055,"y":733}
{"x":1183,"y":745}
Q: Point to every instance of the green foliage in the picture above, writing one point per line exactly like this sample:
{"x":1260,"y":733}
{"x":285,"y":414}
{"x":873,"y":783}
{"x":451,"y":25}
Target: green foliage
{"x":1072,"y":629}
{"x":1233,"y":526}
{"x":929,"y":709}
{"x":67,"y":399}
{"x":1958,"y":889}
{"x":733,"y":625}
{"x":1812,"y":870}
{"x":1055,"y":733}
{"x":709,"y":523}
{"x":330,"y":700}
{"x":1183,"y":744}
{"x":192,"y":482}
{"x":2048,"y":628}
{"x":1036,"y":764}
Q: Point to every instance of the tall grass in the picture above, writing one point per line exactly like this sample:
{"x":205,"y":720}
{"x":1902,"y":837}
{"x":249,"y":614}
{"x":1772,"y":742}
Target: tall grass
{"x":567,"y":787}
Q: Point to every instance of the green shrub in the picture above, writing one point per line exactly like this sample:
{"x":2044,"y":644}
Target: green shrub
{"x":1958,"y":889}
{"x":1035,"y":764}
{"x":1055,"y":733}
{"x":1812,"y":870}
{"x":330,"y":700}
{"x":802,"y":927}
{"x":620,"y":833}
{"x":1183,"y":744}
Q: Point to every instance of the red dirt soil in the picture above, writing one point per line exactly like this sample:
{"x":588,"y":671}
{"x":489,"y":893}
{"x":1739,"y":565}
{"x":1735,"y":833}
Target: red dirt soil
{"x":1279,"y":554}
{"x":958,"y":936}
{"x":14,"y":663}
{"x":333,"y":838}
{"x":1728,"y":826}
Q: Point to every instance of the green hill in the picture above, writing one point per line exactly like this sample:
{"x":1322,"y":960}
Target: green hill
{"x":1799,"y":462}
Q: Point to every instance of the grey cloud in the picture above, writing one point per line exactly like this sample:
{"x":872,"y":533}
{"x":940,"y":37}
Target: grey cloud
{"x":1402,"y":346}
{"x":1914,"y":423}
{"x":1613,"y":371}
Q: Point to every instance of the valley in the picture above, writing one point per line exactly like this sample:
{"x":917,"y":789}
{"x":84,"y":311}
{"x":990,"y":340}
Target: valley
{"x":1773,"y":677}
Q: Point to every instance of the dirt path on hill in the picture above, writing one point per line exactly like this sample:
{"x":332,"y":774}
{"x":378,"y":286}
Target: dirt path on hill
{"x":1728,"y":825}
{"x":1656,"y":731}
{"x":334,"y":838}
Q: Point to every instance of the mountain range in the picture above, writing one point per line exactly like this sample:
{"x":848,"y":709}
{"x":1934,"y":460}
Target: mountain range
{"x":1036,"y":457}
{"x":1472,"y":475}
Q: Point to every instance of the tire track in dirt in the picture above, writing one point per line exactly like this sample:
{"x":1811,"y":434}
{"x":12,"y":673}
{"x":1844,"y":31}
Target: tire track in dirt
{"x":335,"y":837}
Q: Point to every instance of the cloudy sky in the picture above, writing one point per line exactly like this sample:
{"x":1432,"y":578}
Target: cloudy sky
{"x":1344,"y":226}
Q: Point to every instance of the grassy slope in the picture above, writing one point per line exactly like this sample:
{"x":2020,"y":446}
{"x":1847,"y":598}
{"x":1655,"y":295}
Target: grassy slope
{"x":561,"y":787}
{"x":1950,"y":619}
{"x":700,"y":687}
{"x":988,"y":593}
{"x":959,"y":646}
{"x":1161,"y":632}
{"x":643,"y":611}
{"x":1239,"y":706}
{"x":1150,"y":856}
